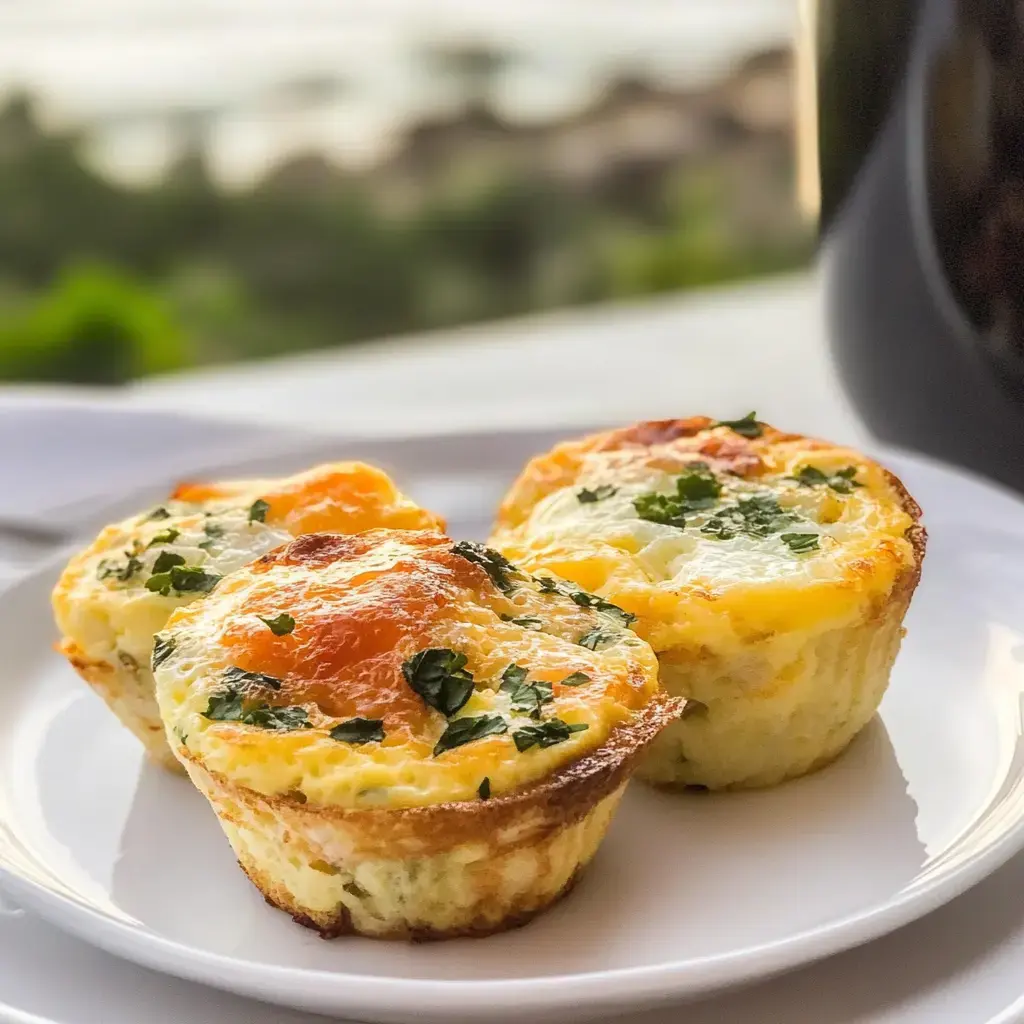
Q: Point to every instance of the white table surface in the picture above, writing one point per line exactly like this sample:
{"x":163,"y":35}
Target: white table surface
{"x":722,"y":352}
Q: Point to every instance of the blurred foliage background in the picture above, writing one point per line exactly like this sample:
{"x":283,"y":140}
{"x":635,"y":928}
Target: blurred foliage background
{"x":467,"y":215}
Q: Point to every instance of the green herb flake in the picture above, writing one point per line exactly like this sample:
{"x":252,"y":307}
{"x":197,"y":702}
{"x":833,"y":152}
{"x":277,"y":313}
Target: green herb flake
{"x":549,"y":586}
{"x":698,"y":488}
{"x":166,"y":561}
{"x":599,"y":604}
{"x":595,"y":638}
{"x":575,"y":679}
{"x":500,"y":570}
{"x":746,"y":427}
{"x":286,"y":719}
{"x":586,"y":496}
{"x":545,"y":734}
{"x":213,"y":531}
{"x":465,"y":730}
{"x":109,"y":568}
{"x":163,"y":648}
{"x":184,"y":579}
{"x":438,"y":675}
{"x":168,"y":536}
{"x":279,"y":625}
{"x":241,"y":677}
{"x":757,"y":516}
{"x":484,"y":789}
{"x":258,"y":511}
{"x":158,"y":513}
{"x":664,"y":509}
{"x":842,"y":482}
{"x":800,"y":543}
{"x":525,"y":621}
{"x":526,"y":697}
{"x":514,"y":675}
{"x":228,"y":705}
{"x":224,"y":706}
{"x":358,"y":731}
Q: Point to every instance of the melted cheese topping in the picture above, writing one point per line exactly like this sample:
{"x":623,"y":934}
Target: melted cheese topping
{"x":363,"y":607}
{"x":689,"y":587}
{"x":112,"y":618}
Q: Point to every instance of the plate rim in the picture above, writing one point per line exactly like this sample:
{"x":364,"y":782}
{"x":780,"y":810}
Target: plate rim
{"x":611,"y":988}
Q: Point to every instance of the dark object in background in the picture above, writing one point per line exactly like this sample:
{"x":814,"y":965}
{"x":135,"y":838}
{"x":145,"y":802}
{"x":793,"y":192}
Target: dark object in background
{"x":921,"y":155}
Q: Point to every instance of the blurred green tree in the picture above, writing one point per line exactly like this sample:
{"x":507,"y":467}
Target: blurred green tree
{"x":95,"y":326}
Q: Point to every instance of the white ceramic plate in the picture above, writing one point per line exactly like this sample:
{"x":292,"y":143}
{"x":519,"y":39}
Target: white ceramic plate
{"x":687,"y":895}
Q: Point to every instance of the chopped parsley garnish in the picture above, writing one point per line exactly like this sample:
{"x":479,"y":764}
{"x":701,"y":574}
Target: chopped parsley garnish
{"x":526,"y":697}
{"x":185,"y":579}
{"x":285,"y":719}
{"x":279,"y":625}
{"x":747,"y":427}
{"x":545,"y":734}
{"x":108,"y":568}
{"x":484,"y":789}
{"x":168,"y":536}
{"x":594,"y":638}
{"x":163,"y":648}
{"x":228,"y":705}
{"x":526,"y":621}
{"x":757,"y":516}
{"x":514,"y":675}
{"x":166,"y":561}
{"x":466,"y":730}
{"x":583,"y":599}
{"x":599,"y":604}
{"x":693,"y":708}
{"x":801,"y":542}
{"x":158,"y":513}
{"x":439,"y":676}
{"x":240,"y":676}
{"x":258,"y":511}
{"x":664,"y":509}
{"x":224,"y":706}
{"x":586,"y":496}
{"x":842,"y":482}
{"x":359,"y":731}
{"x":213,"y":531}
{"x":575,"y":679}
{"x":696,"y":489}
{"x":497,"y":566}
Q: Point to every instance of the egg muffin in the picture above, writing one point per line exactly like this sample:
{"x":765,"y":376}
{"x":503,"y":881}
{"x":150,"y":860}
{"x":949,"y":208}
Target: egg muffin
{"x":770,"y":572}
{"x":435,"y":744}
{"x":119,"y":591}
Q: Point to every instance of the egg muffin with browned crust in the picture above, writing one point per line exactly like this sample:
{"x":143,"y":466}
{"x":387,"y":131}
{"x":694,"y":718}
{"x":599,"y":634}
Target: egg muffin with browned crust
{"x":770,"y":572}
{"x":432,"y":744}
{"x":121,"y":589}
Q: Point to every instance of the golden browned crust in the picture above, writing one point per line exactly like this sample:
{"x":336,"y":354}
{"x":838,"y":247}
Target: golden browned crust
{"x":342,"y":925}
{"x":558,"y":800}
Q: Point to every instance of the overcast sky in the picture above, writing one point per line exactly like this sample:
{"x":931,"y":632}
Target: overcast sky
{"x":103,"y":59}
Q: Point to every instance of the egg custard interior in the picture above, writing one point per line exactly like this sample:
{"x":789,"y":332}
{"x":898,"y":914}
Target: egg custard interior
{"x":399,"y":699}
{"x":118,"y":592}
{"x":761,"y":566}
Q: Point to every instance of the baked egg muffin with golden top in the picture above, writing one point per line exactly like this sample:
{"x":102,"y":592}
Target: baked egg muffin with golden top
{"x":119,"y":591}
{"x":432,"y":746}
{"x":770,"y":572}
